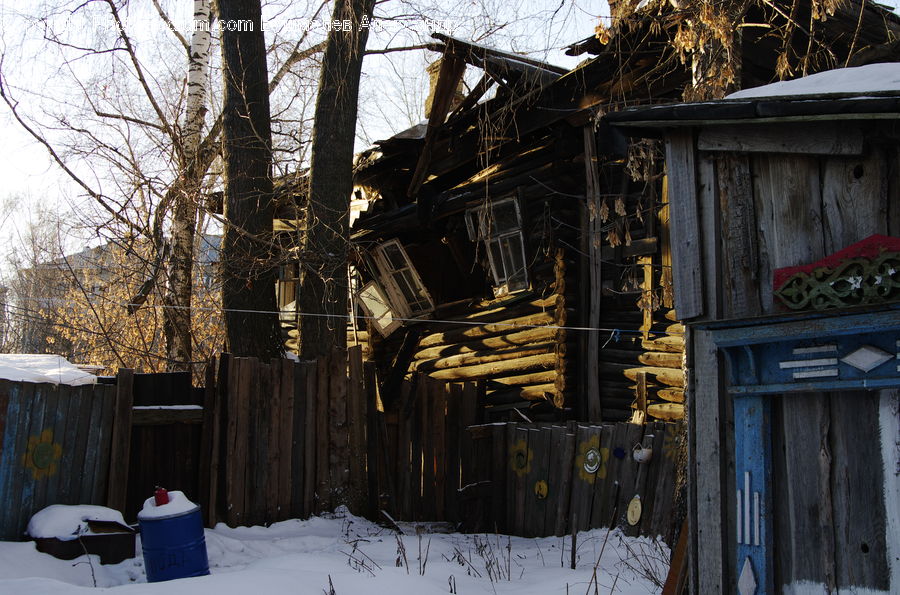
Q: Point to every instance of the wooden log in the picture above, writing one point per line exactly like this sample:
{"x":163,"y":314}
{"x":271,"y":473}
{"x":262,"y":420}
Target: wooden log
{"x":482,"y":357}
{"x":338,"y":450}
{"x":530,"y":393}
{"x":501,"y":368}
{"x":673,"y":395}
{"x":522,"y":379}
{"x":487,"y":330}
{"x":524,"y":338}
{"x":661,"y":359}
{"x":670,"y":344}
{"x":667,"y":376}
{"x":666,"y":411}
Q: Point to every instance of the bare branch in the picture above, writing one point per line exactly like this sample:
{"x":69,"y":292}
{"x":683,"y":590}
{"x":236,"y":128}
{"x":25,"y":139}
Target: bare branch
{"x":171,"y":26}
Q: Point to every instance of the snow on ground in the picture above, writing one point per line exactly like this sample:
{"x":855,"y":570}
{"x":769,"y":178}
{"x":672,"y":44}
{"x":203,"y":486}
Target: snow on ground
{"x":357,"y":556}
{"x":859,"y":80}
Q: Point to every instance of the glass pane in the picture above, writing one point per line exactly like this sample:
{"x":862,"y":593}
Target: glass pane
{"x":376,"y":305}
{"x":394,"y":256}
{"x":514,"y":262}
{"x":505,"y":217}
{"x":407,"y":285}
{"x":495,"y":252}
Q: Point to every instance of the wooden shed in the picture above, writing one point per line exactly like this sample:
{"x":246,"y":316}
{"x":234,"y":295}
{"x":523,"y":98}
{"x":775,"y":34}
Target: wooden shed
{"x":785,"y":214}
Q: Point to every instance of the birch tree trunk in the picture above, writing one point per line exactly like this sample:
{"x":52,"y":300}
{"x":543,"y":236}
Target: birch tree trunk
{"x":323,"y":291}
{"x":186,"y":197}
{"x":248,"y":288}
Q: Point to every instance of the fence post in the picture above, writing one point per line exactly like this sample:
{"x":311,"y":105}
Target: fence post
{"x":120,"y":446}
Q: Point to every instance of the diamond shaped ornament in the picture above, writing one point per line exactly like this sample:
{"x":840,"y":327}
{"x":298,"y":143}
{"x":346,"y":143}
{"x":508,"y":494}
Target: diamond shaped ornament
{"x":747,"y":580}
{"x":867,"y":358}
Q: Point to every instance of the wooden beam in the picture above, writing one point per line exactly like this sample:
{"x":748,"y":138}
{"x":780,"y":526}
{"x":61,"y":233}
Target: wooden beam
{"x":120,"y":448}
{"x":687,"y":265}
{"x":161,"y":416}
{"x":595,"y":277}
{"x":452,"y":69}
{"x":814,"y":138}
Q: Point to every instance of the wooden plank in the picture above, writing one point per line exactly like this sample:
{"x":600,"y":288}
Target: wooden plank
{"x":299,"y":433}
{"x":855,"y":195}
{"x":705,"y":403}
{"x":9,"y":412}
{"x":157,"y":416}
{"x":11,"y":470}
{"x":524,"y":450}
{"x":566,"y":462}
{"x":241,"y":476}
{"x":500,"y":462}
{"x":788,"y":214}
{"x":628,"y":471}
{"x":802,"y":542}
{"x":583,"y":478}
{"x":418,"y":396}
{"x":439,"y":434}
{"x":104,"y":443}
{"x":323,"y":477}
{"x":272,"y":426}
{"x":84,"y":407}
{"x":592,"y":243}
{"x":664,"y":497}
{"x":426,"y":429}
{"x":211,"y":438}
{"x":311,"y":439}
{"x":286,"y":441}
{"x":740,"y":284}
{"x":539,"y":489}
{"x":377,"y":445}
{"x":405,"y":449}
{"x":50,"y":472}
{"x":356,"y":420}
{"x":857,"y":493}
{"x":452,"y":464}
{"x":339,"y":437}
{"x":92,"y":450}
{"x":32,"y":396}
{"x":649,"y":501}
{"x":518,"y":458}
{"x":607,"y":487}
{"x":256,"y":489}
{"x":813,"y":138}
{"x":685,"y":224}
{"x":639,"y":488}
{"x":60,"y":416}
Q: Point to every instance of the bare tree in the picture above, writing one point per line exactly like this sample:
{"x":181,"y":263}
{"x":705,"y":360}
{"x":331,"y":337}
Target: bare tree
{"x":323,"y":290}
{"x":248,"y":291}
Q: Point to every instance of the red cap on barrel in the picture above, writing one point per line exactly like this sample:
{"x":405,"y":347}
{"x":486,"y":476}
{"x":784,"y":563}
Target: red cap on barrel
{"x":161,"y":496}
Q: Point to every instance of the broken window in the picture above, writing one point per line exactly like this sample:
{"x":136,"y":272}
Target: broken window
{"x":498,"y":225}
{"x":401,"y":290}
{"x":376,"y":305}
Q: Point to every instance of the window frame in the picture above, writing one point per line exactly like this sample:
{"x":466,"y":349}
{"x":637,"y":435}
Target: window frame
{"x":478,"y":226}
{"x":388,"y":273}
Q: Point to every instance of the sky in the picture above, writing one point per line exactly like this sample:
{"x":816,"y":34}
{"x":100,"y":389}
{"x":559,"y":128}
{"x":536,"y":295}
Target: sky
{"x":393,"y":88}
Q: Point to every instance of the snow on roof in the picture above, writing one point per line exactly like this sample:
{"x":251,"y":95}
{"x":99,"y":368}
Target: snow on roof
{"x":54,"y":369}
{"x":871,"y":79}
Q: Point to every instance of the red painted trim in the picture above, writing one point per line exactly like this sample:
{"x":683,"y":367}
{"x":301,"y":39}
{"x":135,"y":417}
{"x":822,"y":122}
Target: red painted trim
{"x":868,"y":248}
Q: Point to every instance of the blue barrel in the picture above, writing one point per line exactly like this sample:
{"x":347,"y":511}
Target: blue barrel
{"x":174,"y":546}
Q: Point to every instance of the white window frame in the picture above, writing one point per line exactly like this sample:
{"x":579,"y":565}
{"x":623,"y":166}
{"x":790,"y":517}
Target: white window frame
{"x":479,"y":222}
{"x":373,"y":300}
{"x":390,"y":277}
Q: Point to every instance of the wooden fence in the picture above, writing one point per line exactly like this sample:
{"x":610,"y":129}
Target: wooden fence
{"x":55,"y":448}
{"x":289,"y":439}
{"x":540,"y":480}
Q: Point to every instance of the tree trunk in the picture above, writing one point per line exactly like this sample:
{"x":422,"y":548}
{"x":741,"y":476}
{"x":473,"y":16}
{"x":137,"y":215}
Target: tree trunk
{"x":179,"y":288}
{"x":323,"y":289}
{"x":248,"y":288}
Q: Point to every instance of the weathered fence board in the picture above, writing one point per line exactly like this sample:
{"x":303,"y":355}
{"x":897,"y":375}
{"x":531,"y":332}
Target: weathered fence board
{"x":55,"y":448}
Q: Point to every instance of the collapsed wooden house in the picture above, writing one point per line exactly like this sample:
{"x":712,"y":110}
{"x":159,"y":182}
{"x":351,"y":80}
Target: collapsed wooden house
{"x":786,"y":200}
{"x":520,"y":242}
